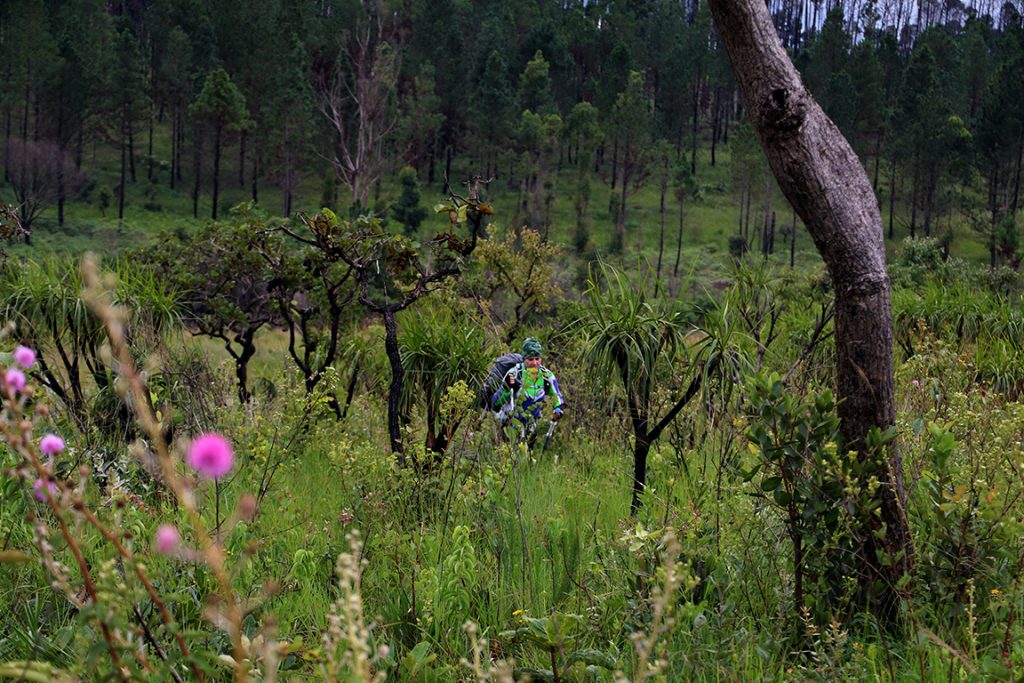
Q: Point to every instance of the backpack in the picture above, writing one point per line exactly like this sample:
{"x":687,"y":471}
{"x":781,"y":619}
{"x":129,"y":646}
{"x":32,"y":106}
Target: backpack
{"x":499,"y":368}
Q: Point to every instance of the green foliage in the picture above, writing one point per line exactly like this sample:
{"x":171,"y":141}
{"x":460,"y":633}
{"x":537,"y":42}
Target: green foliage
{"x":43,"y":300}
{"x":229,"y":287}
{"x":802,"y":469}
{"x":535,"y":86}
{"x":933,"y":111}
{"x":515,"y":280}
{"x":221,"y":104}
{"x":407,"y":209}
{"x":440,"y":350}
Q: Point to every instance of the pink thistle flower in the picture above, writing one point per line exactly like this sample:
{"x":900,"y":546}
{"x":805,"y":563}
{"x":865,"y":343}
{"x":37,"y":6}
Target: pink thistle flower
{"x":40,"y":489}
{"x":211,"y":456}
{"x":14,"y":380}
{"x":166,"y":540}
{"x":51,"y":444}
{"x":917,"y":383}
{"x":25,"y":357}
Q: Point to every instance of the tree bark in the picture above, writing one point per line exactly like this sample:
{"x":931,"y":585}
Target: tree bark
{"x":661,"y":231}
{"x":823,"y":179}
{"x":679,"y":238}
{"x":196,"y":169}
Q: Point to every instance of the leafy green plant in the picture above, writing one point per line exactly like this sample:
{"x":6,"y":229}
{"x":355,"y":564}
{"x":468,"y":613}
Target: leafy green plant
{"x":801,"y":468}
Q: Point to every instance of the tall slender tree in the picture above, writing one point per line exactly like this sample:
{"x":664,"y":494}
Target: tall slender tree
{"x":221,"y":107}
{"x":129,"y":99}
{"x":632,"y":130}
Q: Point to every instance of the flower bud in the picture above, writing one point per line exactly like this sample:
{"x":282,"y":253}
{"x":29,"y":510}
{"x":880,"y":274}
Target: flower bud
{"x":167,"y":540}
{"x":247,"y":506}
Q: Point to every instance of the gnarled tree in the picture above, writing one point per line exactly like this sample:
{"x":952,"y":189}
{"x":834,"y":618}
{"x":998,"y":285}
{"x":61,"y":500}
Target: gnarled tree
{"x":391,"y":273}
{"x":823,"y":179}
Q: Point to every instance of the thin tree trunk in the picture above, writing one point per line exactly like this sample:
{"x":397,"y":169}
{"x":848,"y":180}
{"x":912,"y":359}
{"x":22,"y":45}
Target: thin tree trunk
{"x":216,"y":170}
{"x":395,"y":388}
{"x":750,"y":201}
{"x":825,"y":182}
{"x":640,"y":451}
{"x":196,"y":169}
{"x":878,"y":160}
{"x":696,"y":114}
{"x":619,"y":242}
{"x":245,"y":339}
{"x":124,"y":154}
{"x":1016,"y":175}
{"x":241,"y":161}
{"x":892,"y":198}
{"x":913,"y":203}
{"x":615,"y":164}
{"x":255,"y":176}
{"x":149,"y":150}
{"x":715,"y":122}
{"x":174,"y":144}
{"x":131,"y":147}
{"x":679,"y":241}
{"x":7,"y":140}
{"x":929,"y":203}
{"x":181,"y":139}
{"x":661,"y":231}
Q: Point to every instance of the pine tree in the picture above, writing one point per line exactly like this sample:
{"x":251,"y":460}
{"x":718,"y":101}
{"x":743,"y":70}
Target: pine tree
{"x":632,"y":126}
{"x":221,"y":106}
{"x":407,"y":209}
{"x":535,"y":86}
{"x":127,"y":86}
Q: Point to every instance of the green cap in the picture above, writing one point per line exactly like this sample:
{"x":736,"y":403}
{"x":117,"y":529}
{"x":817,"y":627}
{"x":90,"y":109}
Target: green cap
{"x":531,"y":348}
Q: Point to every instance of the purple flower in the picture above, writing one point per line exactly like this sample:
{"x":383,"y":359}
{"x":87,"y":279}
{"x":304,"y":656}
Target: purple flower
{"x":25,"y":357}
{"x":14,"y":380}
{"x":917,"y":382}
{"x":40,"y":489}
{"x":167,"y":540}
{"x":211,"y":456}
{"x":51,"y":444}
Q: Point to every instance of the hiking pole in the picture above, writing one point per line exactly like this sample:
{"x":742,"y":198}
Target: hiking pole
{"x":547,"y":437}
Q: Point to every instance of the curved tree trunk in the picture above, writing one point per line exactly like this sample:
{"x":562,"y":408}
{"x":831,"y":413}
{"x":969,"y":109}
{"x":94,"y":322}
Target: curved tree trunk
{"x":823,"y":179}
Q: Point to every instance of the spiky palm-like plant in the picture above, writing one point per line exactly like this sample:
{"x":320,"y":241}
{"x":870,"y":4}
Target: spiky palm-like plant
{"x":44,"y":300}
{"x":439,"y":349}
{"x":644,"y":341}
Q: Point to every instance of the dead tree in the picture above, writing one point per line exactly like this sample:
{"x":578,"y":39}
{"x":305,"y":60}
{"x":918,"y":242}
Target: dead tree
{"x":356,"y":98}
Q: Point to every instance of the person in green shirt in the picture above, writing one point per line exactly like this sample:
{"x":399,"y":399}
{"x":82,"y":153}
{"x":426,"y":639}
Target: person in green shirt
{"x":525,"y":387}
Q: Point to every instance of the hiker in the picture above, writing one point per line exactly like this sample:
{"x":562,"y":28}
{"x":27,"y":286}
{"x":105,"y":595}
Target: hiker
{"x":527,"y":384}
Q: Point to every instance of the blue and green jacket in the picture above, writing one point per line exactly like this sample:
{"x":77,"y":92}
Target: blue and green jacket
{"x":531,"y":390}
